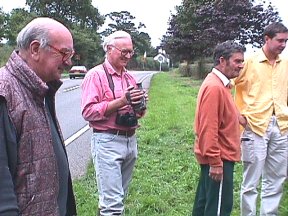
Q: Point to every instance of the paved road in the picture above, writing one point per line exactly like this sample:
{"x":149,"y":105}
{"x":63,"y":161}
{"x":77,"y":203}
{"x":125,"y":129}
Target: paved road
{"x":76,"y":131}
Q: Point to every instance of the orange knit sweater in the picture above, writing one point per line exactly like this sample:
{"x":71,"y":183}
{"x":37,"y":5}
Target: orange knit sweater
{"x":216,"y":124}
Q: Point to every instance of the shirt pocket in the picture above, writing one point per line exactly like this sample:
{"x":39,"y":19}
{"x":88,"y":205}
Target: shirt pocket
{"x":247,"y":146}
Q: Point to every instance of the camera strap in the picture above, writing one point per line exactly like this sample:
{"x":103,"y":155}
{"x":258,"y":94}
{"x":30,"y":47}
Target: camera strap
{"x":110,"y":80}
{"x":111,"y":83}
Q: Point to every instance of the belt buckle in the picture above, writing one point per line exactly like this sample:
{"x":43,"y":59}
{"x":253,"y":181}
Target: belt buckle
{"x":125,"y":133}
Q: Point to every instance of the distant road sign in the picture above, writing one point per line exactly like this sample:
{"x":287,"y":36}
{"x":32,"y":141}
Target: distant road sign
{"x":160,"y":58}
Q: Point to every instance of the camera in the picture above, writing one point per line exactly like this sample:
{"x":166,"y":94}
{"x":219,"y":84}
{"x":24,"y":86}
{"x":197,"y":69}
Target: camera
{"x":142,"y":105}
{"x":127,"y":119}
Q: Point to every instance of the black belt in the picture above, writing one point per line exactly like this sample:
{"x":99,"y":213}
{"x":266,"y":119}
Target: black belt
{"x":117,"y":132}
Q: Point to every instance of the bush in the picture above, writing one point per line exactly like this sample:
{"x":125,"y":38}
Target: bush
{"x":148,"y":65}
{"x":5,"y":52}
{"x":185,"y":70}
{"x":197,"y":70}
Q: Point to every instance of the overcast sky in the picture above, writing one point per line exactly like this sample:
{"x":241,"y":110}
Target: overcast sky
{"x":154,"y":16}
{"x":153,"y":13}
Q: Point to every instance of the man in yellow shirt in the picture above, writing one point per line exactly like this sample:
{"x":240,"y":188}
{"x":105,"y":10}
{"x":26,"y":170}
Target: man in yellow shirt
{"x":261,"y":96}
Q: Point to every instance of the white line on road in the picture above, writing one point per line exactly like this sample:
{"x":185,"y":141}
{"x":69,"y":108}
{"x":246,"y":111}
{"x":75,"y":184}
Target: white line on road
{"x":71,"y":88}
{"x":76,"y":135}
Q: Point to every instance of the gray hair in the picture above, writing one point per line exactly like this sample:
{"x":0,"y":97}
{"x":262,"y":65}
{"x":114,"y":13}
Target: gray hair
{"x":38,"y":30}
{"x":226,"y":50}
{"x":110,"y":40}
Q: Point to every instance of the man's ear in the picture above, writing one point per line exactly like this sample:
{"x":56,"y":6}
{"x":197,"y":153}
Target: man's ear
{"x":109,"y":48}
{"x":266,"y":38}
{"x":35,"y":49}
{"x":222,"y":60}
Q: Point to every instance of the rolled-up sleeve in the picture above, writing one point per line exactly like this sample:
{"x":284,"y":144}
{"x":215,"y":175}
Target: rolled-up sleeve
{"x":93,"y":106}
{"x":8,"y":160}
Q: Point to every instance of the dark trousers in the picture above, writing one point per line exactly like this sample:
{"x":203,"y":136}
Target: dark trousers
{"x":207,"y":195}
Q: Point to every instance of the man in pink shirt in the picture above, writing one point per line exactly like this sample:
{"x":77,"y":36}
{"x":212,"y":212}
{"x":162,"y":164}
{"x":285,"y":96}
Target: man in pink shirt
{"x":112,"y":104}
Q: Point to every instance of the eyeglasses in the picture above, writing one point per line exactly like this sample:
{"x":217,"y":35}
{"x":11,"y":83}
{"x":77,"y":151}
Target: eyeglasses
{"x":67,"y":54}
{"x":124,"y":52}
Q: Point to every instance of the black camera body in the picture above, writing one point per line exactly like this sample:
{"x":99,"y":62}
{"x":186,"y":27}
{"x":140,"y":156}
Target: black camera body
{"x":141,"y":106}
{"x":127,"y":119}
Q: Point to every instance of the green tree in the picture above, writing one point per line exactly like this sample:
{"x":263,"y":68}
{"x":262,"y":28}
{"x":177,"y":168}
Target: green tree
{"x":125,"y":21}
{"x":15,"y":21}
{"x":88,"y":48}
{"x":2,"y":24}
{"x":77,"y":12}
{"x":82,"y":18}
{"x":198,"y":26}
{"x":179,"y":37}
{"x":5,"y":52}
{"x":122,"y":21}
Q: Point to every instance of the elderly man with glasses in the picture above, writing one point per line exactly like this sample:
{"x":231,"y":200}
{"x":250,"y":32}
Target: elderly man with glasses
{"x":34,"y":171}
{"x":109,"y":100}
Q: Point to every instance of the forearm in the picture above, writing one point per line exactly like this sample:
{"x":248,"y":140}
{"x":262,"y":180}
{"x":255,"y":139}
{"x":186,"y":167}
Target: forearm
{"x":8,"y":157}
{"x":8,"y":200}
{"x":242,"y":120}
{"x":115,"y":104}
{"x":130,"y":97}
{"x":94,"y":111}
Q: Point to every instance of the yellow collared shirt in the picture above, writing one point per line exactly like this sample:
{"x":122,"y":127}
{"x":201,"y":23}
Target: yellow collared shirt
{"x":261,"y":90}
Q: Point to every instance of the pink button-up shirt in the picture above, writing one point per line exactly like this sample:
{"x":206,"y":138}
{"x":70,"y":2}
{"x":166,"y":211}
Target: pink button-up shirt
{"x":96,"y":94}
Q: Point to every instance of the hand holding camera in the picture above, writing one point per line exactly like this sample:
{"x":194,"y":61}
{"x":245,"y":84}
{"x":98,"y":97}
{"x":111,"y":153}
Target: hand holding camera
{"x":137,"y":98}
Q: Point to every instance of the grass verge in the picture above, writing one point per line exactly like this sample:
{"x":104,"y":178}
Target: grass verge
{"x":166,"y":174}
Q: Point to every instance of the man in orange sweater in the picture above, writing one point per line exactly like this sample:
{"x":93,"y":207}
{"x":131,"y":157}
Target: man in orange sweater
{"x":217,"y":142}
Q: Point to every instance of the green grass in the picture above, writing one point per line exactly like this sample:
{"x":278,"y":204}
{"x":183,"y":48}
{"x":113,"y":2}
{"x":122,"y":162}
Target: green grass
{"x":166,"y":174}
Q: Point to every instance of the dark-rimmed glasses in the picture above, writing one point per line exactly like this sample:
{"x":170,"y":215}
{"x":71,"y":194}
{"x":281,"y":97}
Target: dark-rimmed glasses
{"x":124,"y":52}
{"x":67,"y":54}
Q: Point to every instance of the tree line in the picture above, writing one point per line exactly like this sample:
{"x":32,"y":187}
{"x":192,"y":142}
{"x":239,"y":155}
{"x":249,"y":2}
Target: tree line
{"x":199,"y":25}
{"x":194,"y":30}
{"x":84,"y":21}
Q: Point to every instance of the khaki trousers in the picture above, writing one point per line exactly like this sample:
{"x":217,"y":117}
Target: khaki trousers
{"x":264,"y":158}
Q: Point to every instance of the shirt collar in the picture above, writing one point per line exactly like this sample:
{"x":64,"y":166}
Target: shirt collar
{"x":221,"y":76}
{"x":262,"y":57}
{"x":110,"y":68}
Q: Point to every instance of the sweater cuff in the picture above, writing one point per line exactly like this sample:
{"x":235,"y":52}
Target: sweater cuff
{"x":215,"y":162}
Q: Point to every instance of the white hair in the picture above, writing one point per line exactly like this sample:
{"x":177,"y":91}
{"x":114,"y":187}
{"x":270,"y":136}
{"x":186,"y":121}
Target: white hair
{"x":34,"y":30}
{"x":109,"y":40}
